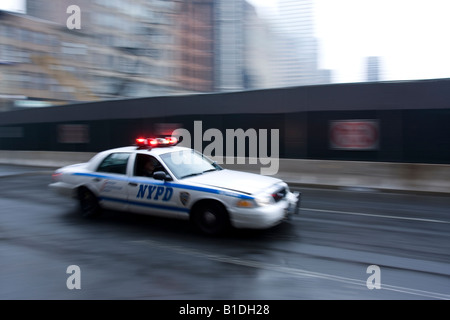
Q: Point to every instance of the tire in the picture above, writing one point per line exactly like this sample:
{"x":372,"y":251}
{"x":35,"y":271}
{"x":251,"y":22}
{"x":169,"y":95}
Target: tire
{"x":211,"y":218}
{"x":89,"y":206}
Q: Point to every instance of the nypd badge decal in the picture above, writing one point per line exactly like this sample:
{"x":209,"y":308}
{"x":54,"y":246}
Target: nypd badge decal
{"x":184,"y":198}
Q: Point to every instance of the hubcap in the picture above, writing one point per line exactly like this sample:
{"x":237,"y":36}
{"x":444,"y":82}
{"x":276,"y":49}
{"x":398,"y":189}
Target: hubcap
{"x":209,"y":218}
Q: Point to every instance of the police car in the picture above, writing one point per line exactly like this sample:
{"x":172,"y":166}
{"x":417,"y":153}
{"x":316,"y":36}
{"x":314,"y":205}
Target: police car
{"x":157,"y":177}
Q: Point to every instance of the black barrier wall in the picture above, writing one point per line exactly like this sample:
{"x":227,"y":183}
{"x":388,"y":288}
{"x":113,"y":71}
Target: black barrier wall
{"x":392,"y":122}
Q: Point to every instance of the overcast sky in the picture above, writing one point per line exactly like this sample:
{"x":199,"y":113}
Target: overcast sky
{"x":411,"y":37}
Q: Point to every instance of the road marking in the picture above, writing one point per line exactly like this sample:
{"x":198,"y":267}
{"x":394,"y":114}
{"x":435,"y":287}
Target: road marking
{"x":375,"y":215}
{"x":286,"y":270}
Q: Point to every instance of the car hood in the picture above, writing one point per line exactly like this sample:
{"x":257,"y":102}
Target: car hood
{"x":245,"y":182}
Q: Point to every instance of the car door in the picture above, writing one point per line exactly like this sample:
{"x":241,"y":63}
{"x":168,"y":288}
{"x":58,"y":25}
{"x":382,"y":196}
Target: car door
{"x":151,"y":196}
{"x":112,"y":181}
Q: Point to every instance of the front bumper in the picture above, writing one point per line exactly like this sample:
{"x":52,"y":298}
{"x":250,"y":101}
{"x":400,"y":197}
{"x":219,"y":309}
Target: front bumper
{"x":267,"y":216}
{"x":295,"y":203}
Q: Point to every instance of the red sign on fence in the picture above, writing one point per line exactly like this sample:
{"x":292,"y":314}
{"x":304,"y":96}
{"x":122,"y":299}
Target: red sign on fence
{"x":354,"y":134}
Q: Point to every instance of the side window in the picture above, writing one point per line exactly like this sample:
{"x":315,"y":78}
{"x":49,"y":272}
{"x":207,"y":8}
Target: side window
{"x":114,"y":163}
{"x":146,"y":165}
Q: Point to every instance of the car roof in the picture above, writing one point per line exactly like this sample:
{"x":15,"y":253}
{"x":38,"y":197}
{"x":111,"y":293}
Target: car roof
{"x":152,"y":151}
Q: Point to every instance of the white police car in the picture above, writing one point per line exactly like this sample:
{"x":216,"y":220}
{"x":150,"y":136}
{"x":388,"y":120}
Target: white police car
{"x":183,"y":184}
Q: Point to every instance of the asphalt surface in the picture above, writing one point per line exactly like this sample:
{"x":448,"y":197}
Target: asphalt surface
{"x":324,"y":253}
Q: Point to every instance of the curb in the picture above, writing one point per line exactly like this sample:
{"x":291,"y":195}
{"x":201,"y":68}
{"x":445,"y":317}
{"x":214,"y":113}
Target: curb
{"x":26,"y":174}
{"x":367,"y":189}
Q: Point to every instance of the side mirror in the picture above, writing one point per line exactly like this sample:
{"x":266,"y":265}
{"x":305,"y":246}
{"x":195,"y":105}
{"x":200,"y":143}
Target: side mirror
{"x":161,"y":175}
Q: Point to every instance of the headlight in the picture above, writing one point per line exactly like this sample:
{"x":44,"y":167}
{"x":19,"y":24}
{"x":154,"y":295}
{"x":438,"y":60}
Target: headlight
{"x":264,"y":200}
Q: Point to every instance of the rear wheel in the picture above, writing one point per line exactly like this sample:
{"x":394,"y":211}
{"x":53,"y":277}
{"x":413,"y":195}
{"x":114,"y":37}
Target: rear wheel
{"x":89,"y":205}
{"x":211,"y":218}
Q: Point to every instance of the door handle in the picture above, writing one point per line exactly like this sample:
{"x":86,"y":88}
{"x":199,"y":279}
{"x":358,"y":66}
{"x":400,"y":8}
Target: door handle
{"x":97,"y":179}
{"x":132,"y":184}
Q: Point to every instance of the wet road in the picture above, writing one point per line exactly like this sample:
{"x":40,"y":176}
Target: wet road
{"x":324,"y":253}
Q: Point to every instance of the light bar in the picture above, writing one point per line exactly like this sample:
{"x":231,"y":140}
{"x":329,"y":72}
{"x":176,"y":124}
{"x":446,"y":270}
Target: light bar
{"x":156,"y":142}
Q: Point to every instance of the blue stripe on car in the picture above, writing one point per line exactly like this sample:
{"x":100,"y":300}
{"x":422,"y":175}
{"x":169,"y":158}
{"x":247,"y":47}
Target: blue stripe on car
{"x":150,"y":205}
{"x":174,"y":185}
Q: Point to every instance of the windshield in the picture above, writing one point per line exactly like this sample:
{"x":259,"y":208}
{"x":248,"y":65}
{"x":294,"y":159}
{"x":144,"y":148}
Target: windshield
{"x":188,"y":163}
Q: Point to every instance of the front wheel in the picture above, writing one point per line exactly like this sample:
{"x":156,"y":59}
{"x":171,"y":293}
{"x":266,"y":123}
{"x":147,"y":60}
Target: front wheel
{"x":89,"y":205}
{"x":211,"y":218}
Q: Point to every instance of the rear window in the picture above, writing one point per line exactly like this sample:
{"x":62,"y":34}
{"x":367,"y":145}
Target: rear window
{"x":115,"y":163}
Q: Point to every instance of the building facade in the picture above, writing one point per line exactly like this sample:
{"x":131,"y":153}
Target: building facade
{"x":57,"y":53}
{"x":121,"y":50}
{"x":296,"y":58}
{"x":373,"y":69}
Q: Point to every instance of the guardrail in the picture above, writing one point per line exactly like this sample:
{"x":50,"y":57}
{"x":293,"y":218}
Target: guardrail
{"x":386,"y":176}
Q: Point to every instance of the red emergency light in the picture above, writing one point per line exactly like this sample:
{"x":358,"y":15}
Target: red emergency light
{"x":156,"y":142}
